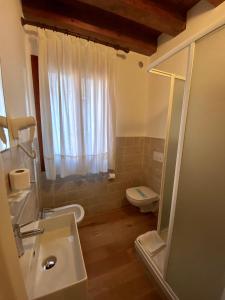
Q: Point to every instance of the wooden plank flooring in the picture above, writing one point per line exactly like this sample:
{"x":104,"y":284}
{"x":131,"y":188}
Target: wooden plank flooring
{"x":114,"y":269}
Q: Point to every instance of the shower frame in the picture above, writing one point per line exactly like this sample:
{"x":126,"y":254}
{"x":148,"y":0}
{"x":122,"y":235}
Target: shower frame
{"x":161,"y":275}
{"x":173,"y":77}
{"x":187,"y":85}
{"x":190,"y":44}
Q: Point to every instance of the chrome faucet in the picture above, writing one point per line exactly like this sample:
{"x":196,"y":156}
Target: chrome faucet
{"x":19,"y":236}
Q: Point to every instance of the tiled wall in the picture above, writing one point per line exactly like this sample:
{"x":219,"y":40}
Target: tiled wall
{"x":134,"y":166}
{"x":15,"y":158}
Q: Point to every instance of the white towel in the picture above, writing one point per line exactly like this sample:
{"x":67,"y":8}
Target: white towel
{"x":151,"y":242}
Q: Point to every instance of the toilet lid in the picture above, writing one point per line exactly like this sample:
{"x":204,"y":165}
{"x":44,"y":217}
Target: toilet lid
{"x":141,"y":193}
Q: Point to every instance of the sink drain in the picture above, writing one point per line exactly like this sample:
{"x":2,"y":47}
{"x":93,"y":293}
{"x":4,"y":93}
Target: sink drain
{"x":49,"y":262}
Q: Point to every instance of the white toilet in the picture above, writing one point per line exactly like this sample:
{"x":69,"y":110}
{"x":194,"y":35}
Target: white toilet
{"x":143,"y":197}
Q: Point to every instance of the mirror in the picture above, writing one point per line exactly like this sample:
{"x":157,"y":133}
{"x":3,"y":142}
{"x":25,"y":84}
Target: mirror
{"x":4,"y":134}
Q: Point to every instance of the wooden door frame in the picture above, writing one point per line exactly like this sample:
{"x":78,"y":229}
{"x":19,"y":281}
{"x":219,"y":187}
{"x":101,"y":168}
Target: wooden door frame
{"x":35,"y":77}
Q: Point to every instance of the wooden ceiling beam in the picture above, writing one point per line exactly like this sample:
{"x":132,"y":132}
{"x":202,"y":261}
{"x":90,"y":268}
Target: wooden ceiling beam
{"x":215,"y":2}
{"x":149,"y":13}
{"x":96,"y":33}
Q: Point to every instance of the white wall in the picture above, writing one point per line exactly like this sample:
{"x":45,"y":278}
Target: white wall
{"x":11,"y":283}
{"x":12,"y":57}
{"x":131,"y":96}
{"x":159,"y":93}
{"x":158,"y":101}
{"x":177,"y":64}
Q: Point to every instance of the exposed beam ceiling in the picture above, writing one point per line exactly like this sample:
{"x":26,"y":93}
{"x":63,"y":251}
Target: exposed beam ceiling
{"x":124,"y":24}
{"x":93,"y":24}
{"x":215,"y":2}
{"x":147,"y":13}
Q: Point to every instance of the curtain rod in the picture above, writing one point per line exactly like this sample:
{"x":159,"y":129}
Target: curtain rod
{"x":68,"y":32}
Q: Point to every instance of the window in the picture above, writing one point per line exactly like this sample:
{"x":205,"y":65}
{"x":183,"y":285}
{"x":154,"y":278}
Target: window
{"x":77,"y":105}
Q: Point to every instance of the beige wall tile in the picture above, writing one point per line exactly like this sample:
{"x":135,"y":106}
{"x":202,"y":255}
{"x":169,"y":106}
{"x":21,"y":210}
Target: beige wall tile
{"x":96,"y":193}
{"x":134,"y":167}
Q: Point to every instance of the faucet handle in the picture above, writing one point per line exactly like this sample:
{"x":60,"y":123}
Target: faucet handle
{"x":17,"y":226}
{"x":19,"y":236}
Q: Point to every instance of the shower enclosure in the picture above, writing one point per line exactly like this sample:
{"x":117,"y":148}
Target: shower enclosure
{"x":192,"y":205}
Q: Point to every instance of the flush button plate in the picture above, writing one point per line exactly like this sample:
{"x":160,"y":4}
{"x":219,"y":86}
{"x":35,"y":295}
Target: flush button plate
{"x":158,"y":156}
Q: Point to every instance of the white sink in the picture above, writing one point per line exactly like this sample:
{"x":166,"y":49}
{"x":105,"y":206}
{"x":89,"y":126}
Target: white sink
{"x":67,"y":279}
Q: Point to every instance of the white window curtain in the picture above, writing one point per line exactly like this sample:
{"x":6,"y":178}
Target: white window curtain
{"x":77,"y":105}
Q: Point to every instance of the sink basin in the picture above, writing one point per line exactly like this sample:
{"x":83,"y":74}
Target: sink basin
{"x":53,"y":265}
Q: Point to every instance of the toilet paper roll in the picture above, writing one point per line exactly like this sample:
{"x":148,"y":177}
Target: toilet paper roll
{"x":19,"y":179}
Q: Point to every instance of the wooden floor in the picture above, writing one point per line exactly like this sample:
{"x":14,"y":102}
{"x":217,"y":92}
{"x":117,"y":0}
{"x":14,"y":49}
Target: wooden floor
{"x":113,"y":266}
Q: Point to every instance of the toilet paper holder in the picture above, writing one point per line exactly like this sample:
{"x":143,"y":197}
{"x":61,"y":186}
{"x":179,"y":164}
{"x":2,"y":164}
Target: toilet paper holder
{"x":3,"y":124}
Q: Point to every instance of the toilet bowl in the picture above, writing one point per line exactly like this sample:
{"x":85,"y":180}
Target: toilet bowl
{"x":77,"y":209}
{"x":143,"y":197}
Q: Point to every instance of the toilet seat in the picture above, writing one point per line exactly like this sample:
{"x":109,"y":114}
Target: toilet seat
{"x":141,"y":193}
{"x":142,"y":197}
